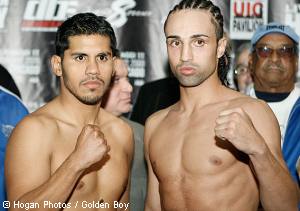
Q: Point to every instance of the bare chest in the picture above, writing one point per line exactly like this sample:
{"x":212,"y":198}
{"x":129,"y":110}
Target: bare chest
{"x":106,"y":179}
{"x":190,"y":148}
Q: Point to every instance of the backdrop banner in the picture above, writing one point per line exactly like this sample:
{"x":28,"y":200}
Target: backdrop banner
{"x":27,"y":33}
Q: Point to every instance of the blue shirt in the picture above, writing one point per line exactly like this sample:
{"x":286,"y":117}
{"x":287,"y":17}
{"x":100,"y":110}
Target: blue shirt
{"x":291,"y":144}
{"x":11,"y":112}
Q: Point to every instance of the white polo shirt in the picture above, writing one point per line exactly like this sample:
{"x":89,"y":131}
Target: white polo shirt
{"x":282,"y":109}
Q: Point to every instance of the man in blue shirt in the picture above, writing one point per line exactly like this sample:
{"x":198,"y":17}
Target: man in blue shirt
{"x":12,"y":111}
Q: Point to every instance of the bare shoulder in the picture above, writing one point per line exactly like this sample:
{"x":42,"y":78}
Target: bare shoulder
{"x":113,"y":123}
{"x":154,"y":121}
{"x":35,"y":129}
{"x":157,"y":117}
{"x":117,"y":128}
{"x":257,"y":109}
{"x":29,"y":152}
{"x":263,"y":120}
{"x":251,"y":105}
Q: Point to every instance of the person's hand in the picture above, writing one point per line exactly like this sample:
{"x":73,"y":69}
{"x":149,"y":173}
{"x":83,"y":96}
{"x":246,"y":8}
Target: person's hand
{"x":235,"y":126}
{"x":91,"y":146}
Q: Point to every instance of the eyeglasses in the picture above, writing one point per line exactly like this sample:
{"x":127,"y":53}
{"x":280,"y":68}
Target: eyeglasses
{"x":241,"y":70}
{"x":283,"y":52}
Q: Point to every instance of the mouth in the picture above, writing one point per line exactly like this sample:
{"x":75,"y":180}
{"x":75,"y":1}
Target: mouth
{"x":92,"y":84}
{"x":186,"y":70}
{"x":275,"y":69}
{"x":127,"y":100}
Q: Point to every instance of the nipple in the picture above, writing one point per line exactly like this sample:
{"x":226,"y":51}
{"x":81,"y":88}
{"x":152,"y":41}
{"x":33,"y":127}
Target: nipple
{"x":80,"y":185}
{"x":215,"y":160}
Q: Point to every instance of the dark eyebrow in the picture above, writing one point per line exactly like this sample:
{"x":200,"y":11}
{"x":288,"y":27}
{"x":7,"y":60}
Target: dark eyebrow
{"x":173,"y":37}
{"x":106,"y":52}
{"x":199,"y":35}
{"x":193,"y":36}
{"x":84,"y":54}
{"x":78,"y":53}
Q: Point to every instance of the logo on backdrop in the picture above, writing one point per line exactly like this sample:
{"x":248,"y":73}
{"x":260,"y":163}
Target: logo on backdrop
{"x":46,"y":15}
{"x":3,"y":12}
{"x":119,"y":8}
{"x":246,"y":16}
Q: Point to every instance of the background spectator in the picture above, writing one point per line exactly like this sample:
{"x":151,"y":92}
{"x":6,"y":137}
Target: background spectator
{"x":274,"y":64}
{"x":242,"y":76}
{"x":12,"y":111}
{"x":117,"y":100}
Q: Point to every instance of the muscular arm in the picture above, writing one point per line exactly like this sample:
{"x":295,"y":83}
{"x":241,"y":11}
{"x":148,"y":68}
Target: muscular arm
{"x":277,"y":189}
{"x":28,"y":167}
{"x":152,"y":198}
{"x":256,"y":133}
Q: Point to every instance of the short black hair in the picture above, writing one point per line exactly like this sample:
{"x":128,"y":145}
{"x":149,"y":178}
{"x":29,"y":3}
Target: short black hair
{"x":83,"y":24}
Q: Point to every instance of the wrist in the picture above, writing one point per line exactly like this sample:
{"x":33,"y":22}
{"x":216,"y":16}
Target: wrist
{"x":74,"y":163}
{"x":260,"y":147}
{"x":260,"y":156}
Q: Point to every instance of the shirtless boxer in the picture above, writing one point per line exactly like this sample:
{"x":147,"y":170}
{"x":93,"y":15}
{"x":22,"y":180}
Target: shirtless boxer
{"x":215,"y":149}
{"x":71,"y":153}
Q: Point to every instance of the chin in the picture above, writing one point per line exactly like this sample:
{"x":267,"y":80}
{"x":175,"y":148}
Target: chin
{"x":126,"y":109}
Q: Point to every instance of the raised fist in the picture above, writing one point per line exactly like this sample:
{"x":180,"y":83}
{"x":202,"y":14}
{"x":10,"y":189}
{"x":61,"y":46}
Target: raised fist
{"x":91,"y":146}
{"x":235,"y":126}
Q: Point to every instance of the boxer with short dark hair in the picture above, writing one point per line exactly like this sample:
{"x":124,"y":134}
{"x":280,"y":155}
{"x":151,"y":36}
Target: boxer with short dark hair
{"x":71,"y":152}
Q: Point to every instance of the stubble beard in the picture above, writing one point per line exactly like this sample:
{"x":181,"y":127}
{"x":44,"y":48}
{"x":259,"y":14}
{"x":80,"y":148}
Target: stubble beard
{"x":85,"y":99}
{"x":192,"y":80}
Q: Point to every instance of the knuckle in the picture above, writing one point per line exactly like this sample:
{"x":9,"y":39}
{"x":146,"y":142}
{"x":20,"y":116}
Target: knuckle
{"x":231,"y":124}
{"x":227,"y":130}
{"x":88,"y":126}
{"x":231,"y":133}
{"x":102,"y":141}
{"x":235,"y":116}
{"x":239,"y":109}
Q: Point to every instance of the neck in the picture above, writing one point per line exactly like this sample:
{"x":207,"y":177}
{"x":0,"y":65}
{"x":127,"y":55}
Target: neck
{"x":78,"y":112}
{"x":205,"y":93}
{"x":276,"y":88}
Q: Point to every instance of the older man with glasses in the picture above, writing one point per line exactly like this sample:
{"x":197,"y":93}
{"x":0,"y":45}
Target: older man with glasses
{"x":273,"y":63}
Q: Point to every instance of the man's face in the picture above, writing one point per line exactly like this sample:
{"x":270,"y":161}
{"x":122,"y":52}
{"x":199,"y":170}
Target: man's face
{"x":274,"y":63}
{"x":118,"y":99}
{"x":87,"y":67}
{"x":191,"y":46}
{"x":242,"y":71}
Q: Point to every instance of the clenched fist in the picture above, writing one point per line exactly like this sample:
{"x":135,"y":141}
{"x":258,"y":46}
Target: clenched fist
{"x":91,"y":146}
{"x":235,"y":126}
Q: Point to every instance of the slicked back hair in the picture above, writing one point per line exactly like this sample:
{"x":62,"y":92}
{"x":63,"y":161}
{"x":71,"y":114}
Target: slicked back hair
{"x":217,"y":21}
{"x":83,"y":24}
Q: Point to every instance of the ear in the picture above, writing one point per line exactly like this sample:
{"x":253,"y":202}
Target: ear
{"x":56,"y":65}
{"x":222,"y":43}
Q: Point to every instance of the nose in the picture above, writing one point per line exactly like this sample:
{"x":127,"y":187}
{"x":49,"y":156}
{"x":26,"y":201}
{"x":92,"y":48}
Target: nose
{"x":274,"y":55}
{"x":127,"y":87}
{"x":92,"y":67}
{"x":186,"y":53}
